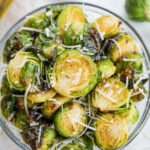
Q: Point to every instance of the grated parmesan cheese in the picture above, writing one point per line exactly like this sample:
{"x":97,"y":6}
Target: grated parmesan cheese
{"x":54,"y":100}
{"x":99,"y":31}
{"x":75,"y":46}
{"x":126,"y":59}
{"x":141,"y":91}
{"x":106,"y":96}
{"x":31,"y":29}
{"x":67,"y":25}
{"x":87,"y":126}
{"x":135,"y":94}
{"x":81,"y":37}
{"x":49,"y":13}
{"x":15,"y":95}
{"x":25,"y":98}
{"x":39,"y":135}
{"x":47,"y":32}
{"x":32,"y":124}
{"x":72,"y":122}
{"x":127,"y":81}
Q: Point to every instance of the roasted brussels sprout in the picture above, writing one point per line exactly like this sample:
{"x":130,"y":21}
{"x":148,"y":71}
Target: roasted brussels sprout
{"x":69,"y":120}
{"x":5,"y":88}
{"x":138,"y":10}
{"x":47,"y":138}
{"x":110,"y":94}
{"x":130,"y":114}
{"x":112,"y":131}
{"x":39,"y":97}
{"x":39,"y":137}
{"x":133,"y":61}
{"x":108,"y":24}
{"x":74,"y":74}
{"x":16,"y":66}
{"x":35,"y":21}
{"x":50,"y":107}
{"x":71,"y":15}
{"x":83,"y":143}
{"x":7,"y":106}
{"x":17,"y":41}
{"x":106,"y":68}
{"x":21,"y":119}
{"x":122,"y":47}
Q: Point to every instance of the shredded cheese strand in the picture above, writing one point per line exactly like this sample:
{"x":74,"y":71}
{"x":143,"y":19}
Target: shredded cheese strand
{"x":141,"y":90}
{"x":127,"y":81}
{"x":39,"y":135}
{"x":106,"y":96}
{"x":25,"y":98}
{"x":126,"y":59}
{"x":75,"y":46}
{"x":31,"y":29}
{"x":99,"y":31}
{"x":54,"y":100}
{"x":87,"y":126}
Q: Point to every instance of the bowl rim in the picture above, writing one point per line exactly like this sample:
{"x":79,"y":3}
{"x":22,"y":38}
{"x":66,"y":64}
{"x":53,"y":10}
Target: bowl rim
{"x":146,"y":116}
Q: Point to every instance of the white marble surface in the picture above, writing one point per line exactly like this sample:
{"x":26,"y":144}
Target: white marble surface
{"x":21,"y":7}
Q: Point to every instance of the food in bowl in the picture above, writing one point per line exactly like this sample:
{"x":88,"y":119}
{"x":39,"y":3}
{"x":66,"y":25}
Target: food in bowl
{"x":70,"y":83}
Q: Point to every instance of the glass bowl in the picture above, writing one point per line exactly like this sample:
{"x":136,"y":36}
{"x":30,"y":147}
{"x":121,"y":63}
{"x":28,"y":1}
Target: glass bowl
{"x":94,"y":11}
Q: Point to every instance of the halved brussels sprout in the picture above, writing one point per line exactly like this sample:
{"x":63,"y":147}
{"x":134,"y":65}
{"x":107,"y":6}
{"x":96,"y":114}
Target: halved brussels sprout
{"x":109,"y":95}
{"x":35,"y":21}
{"x":83,"y":143}
{"x":15,"y":68}
{"x":7,"y":105}
{"x":47,"y":138}
{"x":106,"y":68}
{"x":5,"y":88}
{"x":74,"y":74}
{"x":69,"y":120}
{"x":134,"y":61}
{"x":131,"y":114}
{"x":17,"y":41}
{"x":50,"y":107}
{"x":39,"y":137}
{"x":21,"y":119}
{"x":70,"y":15}
{"x":124,"y":46}
{"x":112,"y":131}
{"x":39,"y":97}
{"x":108,"y":24}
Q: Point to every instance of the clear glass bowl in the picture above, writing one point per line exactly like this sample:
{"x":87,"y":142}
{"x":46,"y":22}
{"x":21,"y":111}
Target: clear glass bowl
{"x":94,"y":11}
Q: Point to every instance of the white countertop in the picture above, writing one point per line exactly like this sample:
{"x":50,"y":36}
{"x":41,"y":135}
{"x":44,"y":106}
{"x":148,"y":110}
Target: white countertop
{"x":20,"y":7}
